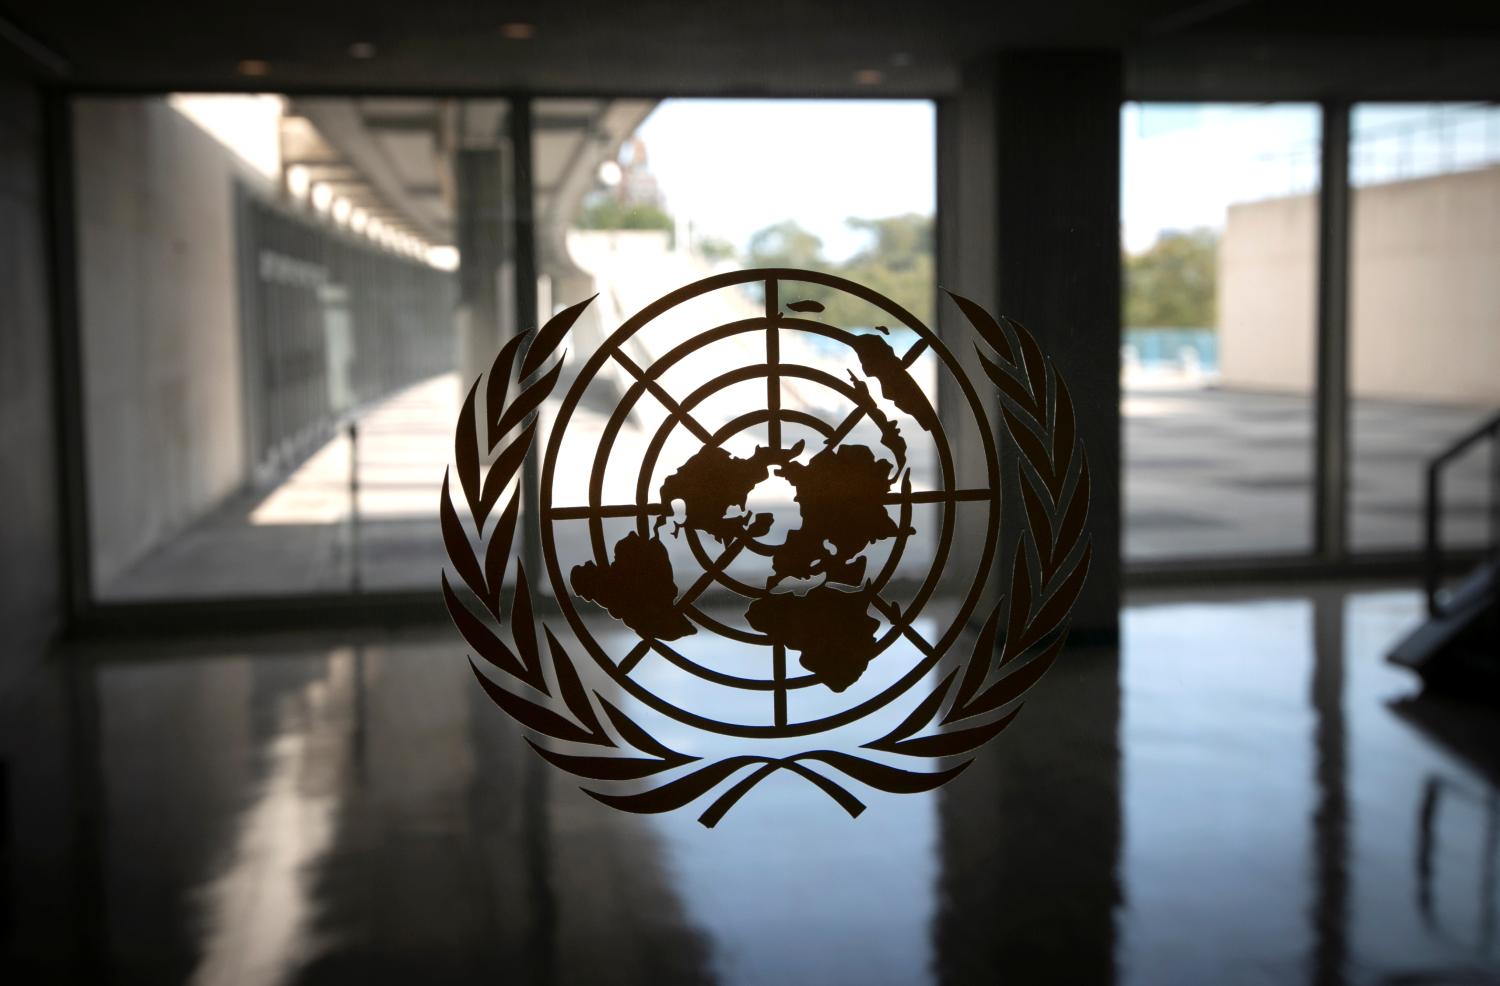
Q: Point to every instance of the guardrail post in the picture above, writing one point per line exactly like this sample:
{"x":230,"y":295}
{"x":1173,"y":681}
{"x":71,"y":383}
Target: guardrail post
{"x":1432,"y":555}
{"x":1495,"y":496}
{"x":353,"y":431}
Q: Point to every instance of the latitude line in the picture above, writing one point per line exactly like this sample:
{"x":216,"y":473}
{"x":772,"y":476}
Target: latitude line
{"x":665,"y":399}
{"x":937,"y":496}
{"x":607,"y":510}
{"x":773,"y":364}
{"x":855,"y":416}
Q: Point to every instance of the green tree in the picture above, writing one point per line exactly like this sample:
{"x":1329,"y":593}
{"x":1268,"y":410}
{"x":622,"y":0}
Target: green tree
{"x":786,"y":244}
{"x":713,"y":249}
{"x":897,"y":261}
{"x":896,"y":242}
{"x":1172,"y":284}
{"x":607,"y":212}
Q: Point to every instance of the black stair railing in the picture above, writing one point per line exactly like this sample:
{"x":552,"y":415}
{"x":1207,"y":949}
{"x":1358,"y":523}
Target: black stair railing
{"x":1434,"y":555}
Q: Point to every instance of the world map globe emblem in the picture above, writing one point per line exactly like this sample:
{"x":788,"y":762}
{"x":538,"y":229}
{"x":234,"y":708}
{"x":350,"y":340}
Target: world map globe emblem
{"x":813,"y":600}
{"x":753,"y":522}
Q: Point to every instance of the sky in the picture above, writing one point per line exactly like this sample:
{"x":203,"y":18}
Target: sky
{"x":735,"y":166}
{"x":1182,"y":166}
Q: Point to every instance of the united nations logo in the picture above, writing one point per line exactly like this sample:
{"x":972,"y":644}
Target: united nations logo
{"x":749,"y":523}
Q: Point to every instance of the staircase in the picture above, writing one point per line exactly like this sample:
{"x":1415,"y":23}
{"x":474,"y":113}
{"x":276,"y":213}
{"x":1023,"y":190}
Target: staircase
{"x":1459,"y":645}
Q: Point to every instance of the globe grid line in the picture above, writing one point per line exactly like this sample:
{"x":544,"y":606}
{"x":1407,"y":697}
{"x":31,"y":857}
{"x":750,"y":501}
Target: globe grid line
{"x":645,"y":377}
{"x":739,"y":375}
{"x":576,"y":728}
{"x":773,"y":370}
{"x":894,"y":498}
{"x":710,"y":387}
{"x":750,"y":372}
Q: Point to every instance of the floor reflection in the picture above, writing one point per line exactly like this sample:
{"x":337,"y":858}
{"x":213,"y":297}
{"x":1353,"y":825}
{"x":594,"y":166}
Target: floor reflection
{"x":1248,"y":794}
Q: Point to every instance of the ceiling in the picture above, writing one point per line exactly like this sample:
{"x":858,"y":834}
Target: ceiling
{"x":748,"y":47}
{"x":392,"y":156}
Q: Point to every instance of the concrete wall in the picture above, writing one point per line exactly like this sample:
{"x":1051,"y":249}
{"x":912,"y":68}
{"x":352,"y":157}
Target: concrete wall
{"x":1424,"y":306}
{"x":1268,"y":302}
{"x":1424,"y":310}
{"x":159,"y":317}
{"x":30,"y":532}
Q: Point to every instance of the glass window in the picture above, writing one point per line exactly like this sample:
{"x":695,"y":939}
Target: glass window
{"x":1219,"y":236}
{"x":771,"y":381}
{"x":643,"y":198}
{"x":1424,"y":314}
{"x":272,"y":313}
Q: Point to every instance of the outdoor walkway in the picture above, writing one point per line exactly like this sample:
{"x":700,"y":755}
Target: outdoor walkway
{"x":300,"y":536}
{"x":1215,"y":472}
{"x":1207,"y":472}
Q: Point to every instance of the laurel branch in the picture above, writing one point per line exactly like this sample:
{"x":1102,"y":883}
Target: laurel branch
{"x":971,"y":705}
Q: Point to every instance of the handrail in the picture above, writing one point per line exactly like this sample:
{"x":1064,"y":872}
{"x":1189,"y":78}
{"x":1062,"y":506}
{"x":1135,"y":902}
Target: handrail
{"x":1433,"y":549}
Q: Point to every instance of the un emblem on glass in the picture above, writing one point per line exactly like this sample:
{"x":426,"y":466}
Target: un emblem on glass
{"x":755,"y":545}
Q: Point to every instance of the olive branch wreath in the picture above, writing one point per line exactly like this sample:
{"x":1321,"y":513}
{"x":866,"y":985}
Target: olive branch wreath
{"x":973,"y":703}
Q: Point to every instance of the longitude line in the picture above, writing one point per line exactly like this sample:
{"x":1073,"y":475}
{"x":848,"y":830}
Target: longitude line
{"x":893,"y":613}
{"x":665,"y":399}
{"x":634,"y":657}
{"x":641,"y":648}
{"x":773,"y":364}
{"x":722,"y":562}
{"x":778,"y":672}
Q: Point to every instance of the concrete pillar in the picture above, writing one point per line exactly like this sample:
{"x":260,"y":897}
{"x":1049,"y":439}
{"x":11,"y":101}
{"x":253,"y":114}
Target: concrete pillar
{"x":1058,"y":253}
{"x":485,"y":290}
{"x":31,"y":603}
{"x":1029,"y":194}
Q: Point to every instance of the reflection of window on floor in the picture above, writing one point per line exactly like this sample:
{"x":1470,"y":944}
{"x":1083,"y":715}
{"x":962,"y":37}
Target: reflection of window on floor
{"x":1219,"y":210}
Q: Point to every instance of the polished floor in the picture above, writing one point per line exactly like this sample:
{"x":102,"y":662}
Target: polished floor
{"x":1248,"y":794}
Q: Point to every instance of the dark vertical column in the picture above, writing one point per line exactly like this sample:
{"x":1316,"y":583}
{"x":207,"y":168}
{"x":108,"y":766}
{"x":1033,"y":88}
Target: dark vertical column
{"x":1058,"y":253}
{"x":1332,"y":419}
{"x":1030,"y":834}
{"x":542,"y":899}
{"x":481,"y":215}
{"x":527,"y":316}
{"x":67,"y":355}
{"x":965,"y":240}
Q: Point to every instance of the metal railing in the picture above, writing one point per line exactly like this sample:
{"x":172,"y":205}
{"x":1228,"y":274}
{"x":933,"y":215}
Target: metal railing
{"x":1433,"y":554}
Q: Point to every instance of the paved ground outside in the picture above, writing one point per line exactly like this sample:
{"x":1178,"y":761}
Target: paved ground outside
{"x":1208,"y":472}
{"x":303,"y":536}
{"x":300,"y":536}
{"x":1217,"y":472}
